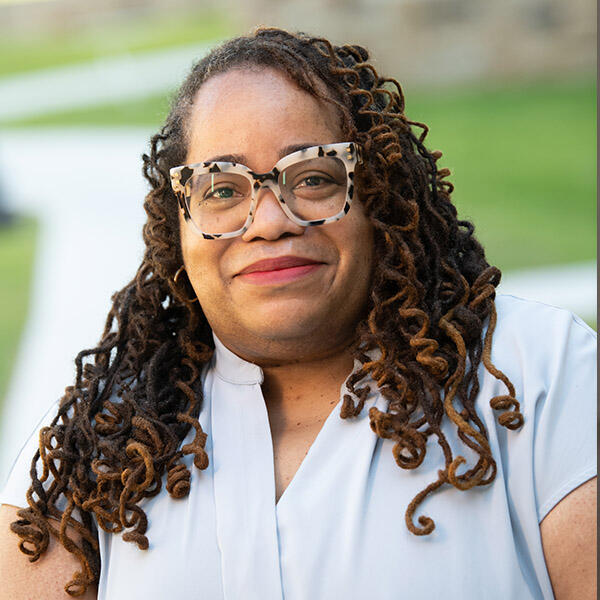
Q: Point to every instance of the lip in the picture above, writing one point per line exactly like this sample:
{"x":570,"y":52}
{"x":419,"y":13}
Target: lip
{"x":279,"y":270}
{"x":279,"y":263}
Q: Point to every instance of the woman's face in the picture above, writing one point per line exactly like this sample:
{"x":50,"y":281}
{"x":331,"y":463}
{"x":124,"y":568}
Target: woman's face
{"x":298,"y":313}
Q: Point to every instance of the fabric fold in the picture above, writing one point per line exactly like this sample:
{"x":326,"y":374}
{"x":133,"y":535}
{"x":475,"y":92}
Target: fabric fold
{"x":244,"y":485}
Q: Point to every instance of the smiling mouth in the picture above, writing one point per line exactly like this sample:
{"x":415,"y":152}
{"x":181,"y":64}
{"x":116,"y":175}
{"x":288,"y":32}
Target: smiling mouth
{"x":278,"y":263}
{"x":280,"y":274}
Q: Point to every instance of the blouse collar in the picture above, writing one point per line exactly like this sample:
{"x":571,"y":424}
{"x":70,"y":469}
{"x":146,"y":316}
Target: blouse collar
{"x":230,"y":367}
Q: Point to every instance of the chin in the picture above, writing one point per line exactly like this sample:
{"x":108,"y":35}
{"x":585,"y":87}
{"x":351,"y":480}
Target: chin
{"x":281,"y":328}
{"x":286,"y":319}
{"x":287,"y":322}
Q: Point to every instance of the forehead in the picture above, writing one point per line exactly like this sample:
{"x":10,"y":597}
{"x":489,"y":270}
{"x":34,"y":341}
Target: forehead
{"x":257,"y":111}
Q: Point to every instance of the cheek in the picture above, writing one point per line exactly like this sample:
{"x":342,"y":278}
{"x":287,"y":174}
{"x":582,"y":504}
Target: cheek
{"x":360,"y":239}
{"x":364,"y":261}
{"x":188,"y":248}
{"x":201,"y":260}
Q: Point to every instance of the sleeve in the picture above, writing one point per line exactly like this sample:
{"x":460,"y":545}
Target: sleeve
{"x":18,"y":482}
{"x":564,"y":441}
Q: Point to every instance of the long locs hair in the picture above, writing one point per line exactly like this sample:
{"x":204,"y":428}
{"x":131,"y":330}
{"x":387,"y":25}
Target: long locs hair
{"x":138,"y":393}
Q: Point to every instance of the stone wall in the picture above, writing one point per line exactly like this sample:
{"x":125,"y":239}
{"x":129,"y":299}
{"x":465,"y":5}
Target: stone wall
{"x":439,"y":41}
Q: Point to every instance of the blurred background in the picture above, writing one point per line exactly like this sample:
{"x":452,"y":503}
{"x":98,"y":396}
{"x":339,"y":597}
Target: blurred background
{"x":507,"y":88}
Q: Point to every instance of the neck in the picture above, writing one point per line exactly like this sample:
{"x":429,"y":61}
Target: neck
{"x":301,"y":381}
{"x":308,"y":390}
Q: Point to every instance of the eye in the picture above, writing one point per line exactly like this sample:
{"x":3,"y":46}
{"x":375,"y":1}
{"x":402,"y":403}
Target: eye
{"x":222,"y":193}
{"x":313,"y":181}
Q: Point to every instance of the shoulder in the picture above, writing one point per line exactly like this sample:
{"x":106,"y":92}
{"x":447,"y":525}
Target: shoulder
{"x":569,"y":542}
{"x":533,"y":339}
{"x":520,"y":318}
{"x":549,"y":355}
{"x":43,"y":578}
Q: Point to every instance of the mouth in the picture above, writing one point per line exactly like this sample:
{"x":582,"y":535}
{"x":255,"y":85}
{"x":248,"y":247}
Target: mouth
{"x":279,"y":270}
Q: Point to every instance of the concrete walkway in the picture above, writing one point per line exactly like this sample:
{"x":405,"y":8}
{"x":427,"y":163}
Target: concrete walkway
{"x":116,"y":79}
{"x":86,"y":189}
{"x":568,"y":286}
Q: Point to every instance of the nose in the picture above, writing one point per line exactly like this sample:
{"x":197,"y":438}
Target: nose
{"x":270,"y":222}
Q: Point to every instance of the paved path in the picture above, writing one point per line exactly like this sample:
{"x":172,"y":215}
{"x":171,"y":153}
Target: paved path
{"x":87,"y":191}
{"x":567,"y":286}
{"x":86,"y":188}
{"x":97,"y":82}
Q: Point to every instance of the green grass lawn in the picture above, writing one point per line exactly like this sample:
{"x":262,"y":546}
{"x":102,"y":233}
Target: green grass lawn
{"x":523,"y":161}
{"x":17,"y":245}
{"x":21,"y":53}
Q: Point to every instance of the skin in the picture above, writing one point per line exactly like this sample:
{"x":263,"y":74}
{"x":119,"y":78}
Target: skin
{"x":305,"y":353}
{"x":569,"y":542}
{"x":297,"y":332}
{"x":299,"y":327}
{"x":45,"y":578}
{"x":568,"y":538}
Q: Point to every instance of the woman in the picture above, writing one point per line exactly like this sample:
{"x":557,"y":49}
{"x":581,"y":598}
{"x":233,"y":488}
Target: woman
{"x":285,"y":346}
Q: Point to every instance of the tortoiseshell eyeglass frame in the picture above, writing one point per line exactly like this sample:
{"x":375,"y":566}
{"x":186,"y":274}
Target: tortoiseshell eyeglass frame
{"x":348,"y":152}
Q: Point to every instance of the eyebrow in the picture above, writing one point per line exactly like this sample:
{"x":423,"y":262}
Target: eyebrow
{"x":242,"y":158}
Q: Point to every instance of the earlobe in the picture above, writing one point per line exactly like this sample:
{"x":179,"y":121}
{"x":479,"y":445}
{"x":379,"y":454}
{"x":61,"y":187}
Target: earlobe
{"x":176,"y":277}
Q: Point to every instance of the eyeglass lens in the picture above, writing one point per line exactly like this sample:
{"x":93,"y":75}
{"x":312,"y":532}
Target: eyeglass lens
{"x":312,"y":189}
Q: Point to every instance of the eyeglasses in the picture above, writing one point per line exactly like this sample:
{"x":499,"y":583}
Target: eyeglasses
{"x":313,"y":186}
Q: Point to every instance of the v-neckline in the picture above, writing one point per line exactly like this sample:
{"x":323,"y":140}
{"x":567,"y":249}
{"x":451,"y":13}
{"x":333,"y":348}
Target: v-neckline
{"x":233,"y":369}
{"x":311,"y":450}
{"x":247,"y":514}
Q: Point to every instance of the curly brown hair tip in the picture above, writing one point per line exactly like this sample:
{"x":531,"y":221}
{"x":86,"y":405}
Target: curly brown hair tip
{"x":138,"y":393}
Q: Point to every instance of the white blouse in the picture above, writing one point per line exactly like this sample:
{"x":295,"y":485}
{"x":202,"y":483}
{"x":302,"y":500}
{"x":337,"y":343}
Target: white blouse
{"x":338,"y":530}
